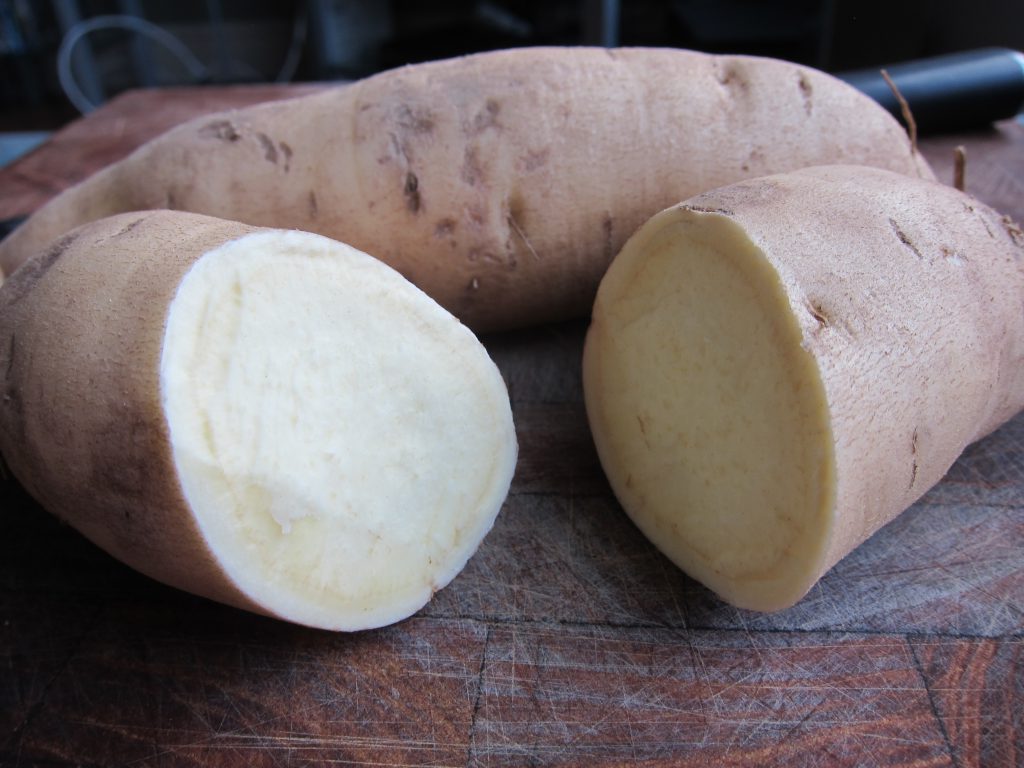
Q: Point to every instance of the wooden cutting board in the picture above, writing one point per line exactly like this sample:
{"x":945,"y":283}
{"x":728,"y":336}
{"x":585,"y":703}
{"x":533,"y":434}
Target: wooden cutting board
{"x":567,"y":640}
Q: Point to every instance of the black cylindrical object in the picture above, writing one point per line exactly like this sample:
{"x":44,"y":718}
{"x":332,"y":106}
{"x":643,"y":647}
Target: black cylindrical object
{"x":955,"y":92}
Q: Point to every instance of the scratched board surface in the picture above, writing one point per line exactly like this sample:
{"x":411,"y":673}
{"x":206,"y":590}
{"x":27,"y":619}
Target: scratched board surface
{"x":567,"y":639}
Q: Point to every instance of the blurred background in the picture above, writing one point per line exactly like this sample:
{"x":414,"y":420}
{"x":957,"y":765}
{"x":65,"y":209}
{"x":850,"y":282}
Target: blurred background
{"x":62,"y":57}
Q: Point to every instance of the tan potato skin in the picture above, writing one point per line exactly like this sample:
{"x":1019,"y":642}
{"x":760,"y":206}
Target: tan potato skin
{"x":502,"y":184}
{"x":81,"y":333}
{"x":910,"y":297}
{"x":921,"y":353}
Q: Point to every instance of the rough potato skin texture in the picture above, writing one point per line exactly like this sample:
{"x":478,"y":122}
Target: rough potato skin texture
{"x":503,"y":183}
{"x":81,"y":333}
{"x":909,"y":295}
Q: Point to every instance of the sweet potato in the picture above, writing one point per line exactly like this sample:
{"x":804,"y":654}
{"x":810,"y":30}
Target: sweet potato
{"x":266,"y":418}
{"x":502,"y":183}
{"x":776,"y":369}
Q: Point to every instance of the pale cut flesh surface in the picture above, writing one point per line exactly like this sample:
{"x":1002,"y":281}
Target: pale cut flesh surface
{"x":709,"y":416}
{"x":343,"y":442}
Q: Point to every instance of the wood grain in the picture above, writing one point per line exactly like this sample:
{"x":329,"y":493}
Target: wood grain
{"x":567,"y":640}
{"x":975,"y":686}
{"x":145,"y":688}
{"x":561,"y":695}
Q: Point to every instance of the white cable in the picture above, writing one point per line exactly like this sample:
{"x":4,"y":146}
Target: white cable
{"x":133,"y":24}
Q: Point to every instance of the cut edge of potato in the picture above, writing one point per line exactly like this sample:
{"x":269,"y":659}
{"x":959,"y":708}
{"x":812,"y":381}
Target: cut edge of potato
{"x":343,"y":442}
{"x":709,"y":415}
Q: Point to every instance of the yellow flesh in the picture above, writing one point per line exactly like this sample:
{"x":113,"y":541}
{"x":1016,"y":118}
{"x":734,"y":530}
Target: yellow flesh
{"x":343,"y":442}
{"x":710,"y":418}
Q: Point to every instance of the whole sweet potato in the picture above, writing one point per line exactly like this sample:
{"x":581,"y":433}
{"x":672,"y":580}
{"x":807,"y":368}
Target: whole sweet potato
{"x":502,"y":183}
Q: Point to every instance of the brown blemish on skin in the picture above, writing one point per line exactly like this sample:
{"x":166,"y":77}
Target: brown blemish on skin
{"x":904,"y":238}
{"x":754,"y":159}
{"x":984,"y":222}
{"x":130,"y":226}
{"x":476,"y":216}
{"x":805,"y":91}
{"x":286,"y":150}
{"x":1014,"y":231}
{"x":126,"y":481}
{"x":818,"y":313}
{"x":707,"y":209}
{"x":125,"y":229}
{"x":415,"y":119}
{"x":398,"y":151}
{"x":531,"y":161}
{"x":444,"y":228}
{"x":224,"y":130}
{"x":411,"y":191}
{"x":269,"y":150}
{"x":471,"y":172}
{"x":409,"y":121}
{"x":643,"y":430}
{"x":729,"y":75}
{"x":517,"y":226}
{"x":314,"y":207}
{"x":487,"y":117}
{"x":477,"y":253}
{"x":913,"y":454}
{"x":952,"y":256}
{"x":39,"y":266}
